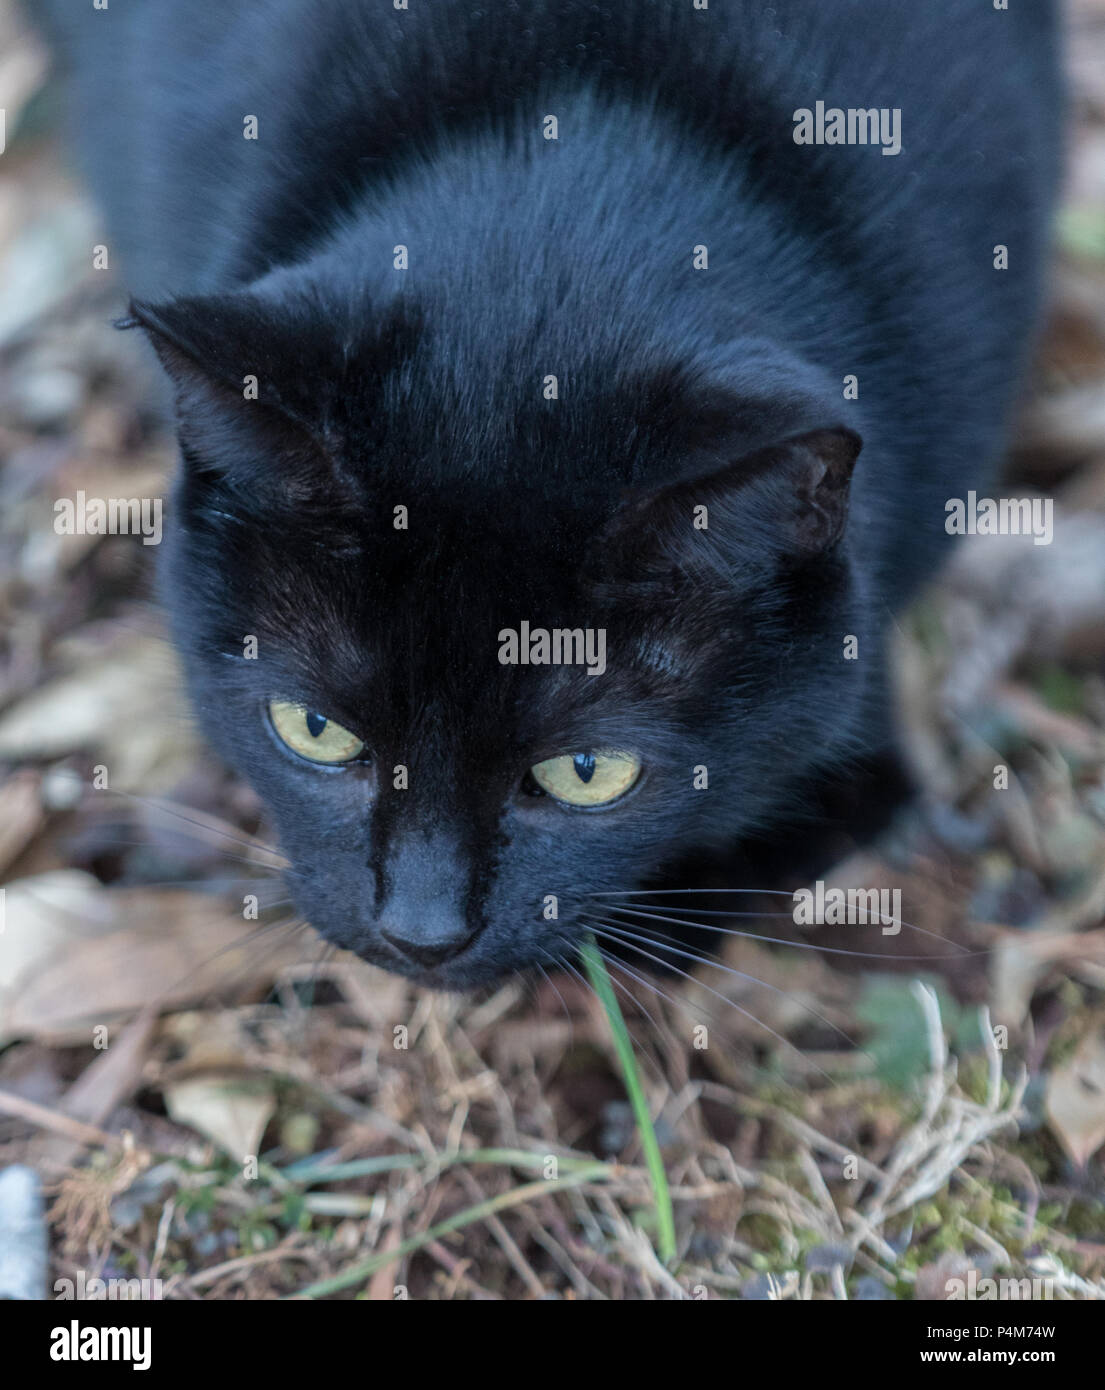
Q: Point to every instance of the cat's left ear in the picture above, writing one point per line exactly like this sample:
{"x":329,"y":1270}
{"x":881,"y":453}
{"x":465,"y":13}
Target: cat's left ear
{"x":785,"y":504}
{"x":234,"y":348}
{"x":255,"y":382}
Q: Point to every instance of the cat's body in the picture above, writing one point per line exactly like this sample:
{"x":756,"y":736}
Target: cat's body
{"x":700,"y":286}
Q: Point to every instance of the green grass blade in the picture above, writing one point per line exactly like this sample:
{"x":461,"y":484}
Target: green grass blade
{"x":309,"y":1173}
{"x":623,"y":1045}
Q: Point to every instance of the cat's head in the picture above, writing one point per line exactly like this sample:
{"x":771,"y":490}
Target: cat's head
{"x":489,"y":647}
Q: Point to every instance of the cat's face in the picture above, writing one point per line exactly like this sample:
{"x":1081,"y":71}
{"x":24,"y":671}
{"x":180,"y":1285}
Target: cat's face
{"x":354,"y":597}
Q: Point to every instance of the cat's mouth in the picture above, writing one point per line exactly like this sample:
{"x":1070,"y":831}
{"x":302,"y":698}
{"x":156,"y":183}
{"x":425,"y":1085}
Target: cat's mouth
{"x":419,"y":957}
{"x":460,"y":973}
{"x":452,"y":966}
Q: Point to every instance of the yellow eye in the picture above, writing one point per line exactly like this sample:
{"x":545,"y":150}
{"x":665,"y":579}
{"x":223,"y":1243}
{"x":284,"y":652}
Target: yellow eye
{"x":587,"y":779}
{"x":312,"y":735}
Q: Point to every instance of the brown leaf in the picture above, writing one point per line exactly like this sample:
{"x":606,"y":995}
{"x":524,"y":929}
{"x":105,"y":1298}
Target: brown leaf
{"x":111,"y":1079}
{"x":232,"y":1111}
{"x":76,"y":954}
{"x":124,"y":708}
{"x":21,"y":814}
{"x":1075,"y":1099}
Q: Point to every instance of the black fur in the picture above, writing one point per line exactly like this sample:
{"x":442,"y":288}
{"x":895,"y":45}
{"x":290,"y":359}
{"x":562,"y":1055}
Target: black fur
{"x":423,"y":388}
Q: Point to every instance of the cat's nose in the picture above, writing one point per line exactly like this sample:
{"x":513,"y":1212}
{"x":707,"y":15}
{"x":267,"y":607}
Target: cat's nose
{"x":422,"y":911}
{"x":424,"y":946}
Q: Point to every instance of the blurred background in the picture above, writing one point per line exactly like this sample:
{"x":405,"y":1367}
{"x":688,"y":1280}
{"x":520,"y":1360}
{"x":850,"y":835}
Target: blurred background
{"x":151,"y":1037}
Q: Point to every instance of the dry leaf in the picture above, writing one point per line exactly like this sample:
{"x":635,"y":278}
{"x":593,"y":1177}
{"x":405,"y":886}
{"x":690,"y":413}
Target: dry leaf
{"x":124,"y":708}
{"x":74,"y":953}
{"x":21,"y":814}
{"x":232,"y":1111}
{"x":107,"y":1082}
{"x":1022,"y":958}
{"x":1075,"y":1099}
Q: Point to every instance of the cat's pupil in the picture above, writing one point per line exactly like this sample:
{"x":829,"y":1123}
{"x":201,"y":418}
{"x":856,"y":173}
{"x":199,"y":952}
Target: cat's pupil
{"x":584,"y":764}
{"x":316,"y":723}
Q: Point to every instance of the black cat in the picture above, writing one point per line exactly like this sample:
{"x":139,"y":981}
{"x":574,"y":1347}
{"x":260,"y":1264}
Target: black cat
{"x":569,"y":393}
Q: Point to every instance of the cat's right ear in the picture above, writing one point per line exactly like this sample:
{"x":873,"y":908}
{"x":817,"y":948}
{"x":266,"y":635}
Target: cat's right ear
{"x":783,"y":505}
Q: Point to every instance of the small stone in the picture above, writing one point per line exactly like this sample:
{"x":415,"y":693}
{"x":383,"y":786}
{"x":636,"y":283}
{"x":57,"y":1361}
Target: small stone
{"x":22,"y":1235}
{"x":49,"y":397}
{"x":62,"y":788}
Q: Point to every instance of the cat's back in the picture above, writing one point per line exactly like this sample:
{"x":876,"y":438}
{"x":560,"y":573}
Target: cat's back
{"x":343,"y":93}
